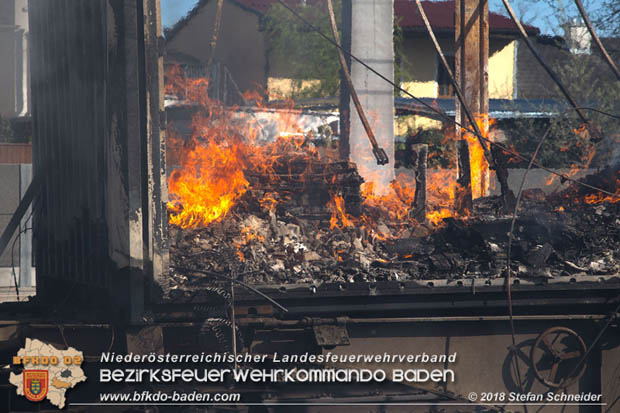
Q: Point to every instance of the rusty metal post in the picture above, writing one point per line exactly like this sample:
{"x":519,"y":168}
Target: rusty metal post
{"x":463,"y":199}
{"x":419,"y":154}
{"x":472,"y":64}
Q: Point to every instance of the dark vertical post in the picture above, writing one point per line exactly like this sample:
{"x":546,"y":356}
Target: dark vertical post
{"x":419,"y":154}
{"x":156,"y":141}
{"x":345,"y":96}
{"x":501,"y":172}
{"x":463,"y":199}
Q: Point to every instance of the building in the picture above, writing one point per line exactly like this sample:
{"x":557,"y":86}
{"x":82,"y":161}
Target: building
{"x":244,"y":49}
{"x":14,"y":73}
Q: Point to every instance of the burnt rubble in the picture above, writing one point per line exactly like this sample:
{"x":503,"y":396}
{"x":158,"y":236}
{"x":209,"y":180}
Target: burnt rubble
{"x":267,"y":247}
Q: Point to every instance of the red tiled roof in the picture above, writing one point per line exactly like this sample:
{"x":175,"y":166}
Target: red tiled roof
{"x":440,"y":14}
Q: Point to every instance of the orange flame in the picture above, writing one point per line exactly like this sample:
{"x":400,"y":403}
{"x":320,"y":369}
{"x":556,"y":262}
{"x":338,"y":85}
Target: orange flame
{"x":477,"y":160}
{"x":340,"y":218}
{"x":226,"y":158}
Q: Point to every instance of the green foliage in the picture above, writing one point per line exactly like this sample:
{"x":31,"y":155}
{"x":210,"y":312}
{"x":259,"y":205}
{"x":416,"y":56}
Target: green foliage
{"x":304,"y":54}
{"x":607,"y":18}
{"x":568,"y":143}
{"x":296,"y":51}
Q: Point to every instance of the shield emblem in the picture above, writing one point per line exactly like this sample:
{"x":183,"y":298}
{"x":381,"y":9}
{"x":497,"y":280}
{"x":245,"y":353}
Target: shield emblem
{"x":35,"y":384}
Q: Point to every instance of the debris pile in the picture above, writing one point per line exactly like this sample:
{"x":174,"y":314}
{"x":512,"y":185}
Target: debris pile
{"x":268,"y":246}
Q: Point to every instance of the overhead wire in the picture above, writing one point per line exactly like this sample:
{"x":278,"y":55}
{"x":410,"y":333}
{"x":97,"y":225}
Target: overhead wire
{"x":531,"y":161}
{"x":597,"y":40}
{"x":510,"y":236}
{"x":457,"y":88}
{"x":441,"y":113}
{"x":380,"y":155}
{"x":545,"y":66}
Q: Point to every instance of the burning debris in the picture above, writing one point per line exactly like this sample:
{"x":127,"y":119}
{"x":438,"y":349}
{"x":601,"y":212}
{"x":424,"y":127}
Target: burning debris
{"x":273,"y":247}
{"x":286,"y":210}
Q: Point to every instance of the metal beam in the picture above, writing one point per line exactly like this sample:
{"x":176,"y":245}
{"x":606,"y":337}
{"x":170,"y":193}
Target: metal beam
{"x":21,"y":210}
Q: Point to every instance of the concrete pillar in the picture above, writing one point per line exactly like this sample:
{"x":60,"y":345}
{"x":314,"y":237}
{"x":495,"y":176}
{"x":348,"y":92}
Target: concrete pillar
{"x":372,"y":42}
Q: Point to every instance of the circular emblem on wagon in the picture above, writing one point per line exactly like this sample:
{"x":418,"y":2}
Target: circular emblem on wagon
{"x":48,"y":372}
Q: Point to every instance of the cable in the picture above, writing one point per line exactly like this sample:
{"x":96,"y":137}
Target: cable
{"x":545,"y":66}
{"x":22,"y":231}
{"x":512,"y":227}
{"x":380,"y":155}
{"x":448,"y":70}
{"x":598,"y":337}
{"x":588,"y":23}
{"x":443,"y":114}
{"x":226,"y":277}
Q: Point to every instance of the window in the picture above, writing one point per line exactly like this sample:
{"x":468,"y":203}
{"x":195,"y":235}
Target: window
{"x":444,"y":86}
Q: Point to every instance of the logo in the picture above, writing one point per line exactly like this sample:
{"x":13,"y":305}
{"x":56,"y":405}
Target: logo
{"x":48,"y":373}
{"x":35,"y":384}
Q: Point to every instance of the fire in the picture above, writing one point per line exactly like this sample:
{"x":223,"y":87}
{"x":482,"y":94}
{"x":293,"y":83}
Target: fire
{"x":207,"y":186}
{"x":340,"y":218}
{"x":225,"y":150}
{"x":600,"y":198}
{"x":477,"y":160}
{"x":437,"y":216}
{"x":229,"y":157}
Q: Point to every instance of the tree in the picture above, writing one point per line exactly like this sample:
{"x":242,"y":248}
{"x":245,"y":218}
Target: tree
{"x":300,"y":53}
{"x":587,"y":79}
{"x":608,"y":17}
{"x":590,"y":82}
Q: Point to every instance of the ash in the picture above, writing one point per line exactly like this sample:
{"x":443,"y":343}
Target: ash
{"x":267,"y":247}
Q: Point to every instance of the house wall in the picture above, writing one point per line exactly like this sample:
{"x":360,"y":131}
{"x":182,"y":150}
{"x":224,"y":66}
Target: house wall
{"x":284,"y":88}
{"x":14,"y":61}
{"x":420,"y":65}
{"x":7,"y":71}
{"x":502,"y":69}
{"x":240,"y":45}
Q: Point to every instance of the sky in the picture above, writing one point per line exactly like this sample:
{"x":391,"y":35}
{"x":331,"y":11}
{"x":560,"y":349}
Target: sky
{"x":535,"y":12}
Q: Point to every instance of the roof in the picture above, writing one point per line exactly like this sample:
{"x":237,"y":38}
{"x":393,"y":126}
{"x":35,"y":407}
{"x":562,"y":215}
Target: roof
{"x":440,"y":14}
{"x":498,"y":108}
